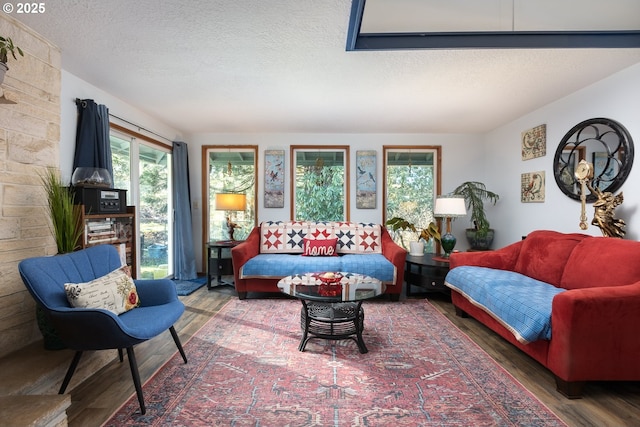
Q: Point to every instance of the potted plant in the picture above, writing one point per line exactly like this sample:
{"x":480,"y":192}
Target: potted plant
{"x":7,"y":48}
{"x":424,"y":235}
{"x":475,"y":194}
{"x":65,"y":217}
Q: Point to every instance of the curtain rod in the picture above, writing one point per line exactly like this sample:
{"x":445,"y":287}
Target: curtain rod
{"x":82,"y":102}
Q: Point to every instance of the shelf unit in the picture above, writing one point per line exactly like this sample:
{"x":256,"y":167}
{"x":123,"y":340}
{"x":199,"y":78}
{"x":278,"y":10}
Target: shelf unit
{"x":118,"y":229}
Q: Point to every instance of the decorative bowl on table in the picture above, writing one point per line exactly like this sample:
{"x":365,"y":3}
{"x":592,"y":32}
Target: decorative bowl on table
{"x":329,"y":284}
{"x":328,"y":277}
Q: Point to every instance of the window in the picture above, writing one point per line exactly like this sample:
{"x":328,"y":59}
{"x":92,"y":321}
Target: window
{"x":319,"y":183}
{"x":229,"y":170}
{"x":411,"y":184}
{"x":142,"y":167}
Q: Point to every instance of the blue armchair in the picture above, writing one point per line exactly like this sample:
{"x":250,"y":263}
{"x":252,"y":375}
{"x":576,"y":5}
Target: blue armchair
{"x":83,"y":329}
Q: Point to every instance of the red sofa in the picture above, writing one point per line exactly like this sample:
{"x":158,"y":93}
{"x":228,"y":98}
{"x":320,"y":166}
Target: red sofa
{"x":594,"y":323}
{"x":252,"y":247}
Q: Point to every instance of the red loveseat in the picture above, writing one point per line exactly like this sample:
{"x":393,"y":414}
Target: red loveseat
{"x":594,"y":323}
{"x":283,"y":258}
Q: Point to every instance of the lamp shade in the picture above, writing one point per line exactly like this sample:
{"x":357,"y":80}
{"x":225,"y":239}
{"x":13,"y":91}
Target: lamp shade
{"x":231,"y":202}
{"x":449,"y":207}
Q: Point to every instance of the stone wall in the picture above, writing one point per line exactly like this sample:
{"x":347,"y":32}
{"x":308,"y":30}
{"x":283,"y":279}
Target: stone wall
{"x":29,"y":142}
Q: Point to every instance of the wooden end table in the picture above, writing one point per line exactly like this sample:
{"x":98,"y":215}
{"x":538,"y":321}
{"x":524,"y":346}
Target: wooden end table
{"x":426,"y":272}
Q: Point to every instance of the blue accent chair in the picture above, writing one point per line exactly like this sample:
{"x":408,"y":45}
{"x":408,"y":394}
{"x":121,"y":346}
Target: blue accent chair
{"x":96,"y":329}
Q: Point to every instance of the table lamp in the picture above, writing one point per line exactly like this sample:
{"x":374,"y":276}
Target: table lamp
{"x":449,"y":207}
{"x":231,"y":202}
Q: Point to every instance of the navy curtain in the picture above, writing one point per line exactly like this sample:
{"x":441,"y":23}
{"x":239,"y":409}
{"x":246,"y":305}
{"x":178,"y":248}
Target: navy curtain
{"x":93,"y":148}
{"x":184,"y":267}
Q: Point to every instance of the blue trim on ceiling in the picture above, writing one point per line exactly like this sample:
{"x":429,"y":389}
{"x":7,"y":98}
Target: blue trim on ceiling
{"x":483,"y":40}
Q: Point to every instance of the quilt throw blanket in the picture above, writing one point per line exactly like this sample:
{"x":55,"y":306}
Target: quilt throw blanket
{"x":521,"y":304}
{"x":245,"y":370}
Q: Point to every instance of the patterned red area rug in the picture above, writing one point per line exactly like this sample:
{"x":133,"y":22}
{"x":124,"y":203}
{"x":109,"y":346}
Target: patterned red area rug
{"x":245,"y":370}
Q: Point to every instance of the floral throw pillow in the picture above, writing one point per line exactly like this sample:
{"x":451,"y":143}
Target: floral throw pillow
{"x":115,"y":292}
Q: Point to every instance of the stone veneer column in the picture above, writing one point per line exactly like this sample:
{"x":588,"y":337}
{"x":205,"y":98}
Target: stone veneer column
{"x":29,"y":142}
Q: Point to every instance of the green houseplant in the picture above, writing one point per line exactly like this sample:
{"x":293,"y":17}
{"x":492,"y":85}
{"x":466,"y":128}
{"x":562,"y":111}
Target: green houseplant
{"x":65,"y":226}
{"x":65,"y":217}
{"x":7,"y":48}
{"x":416,"y":247}
{"x":475,"y":194}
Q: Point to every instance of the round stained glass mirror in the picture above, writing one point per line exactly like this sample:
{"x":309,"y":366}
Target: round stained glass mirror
{"x":603,"y":142}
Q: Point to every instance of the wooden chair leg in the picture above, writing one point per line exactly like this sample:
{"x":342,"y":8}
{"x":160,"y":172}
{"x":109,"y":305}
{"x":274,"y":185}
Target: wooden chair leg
{"x":136,"y":378}
{"x":70,"y":371}
{"x":176,"y":339}
{"x":120,"y":355}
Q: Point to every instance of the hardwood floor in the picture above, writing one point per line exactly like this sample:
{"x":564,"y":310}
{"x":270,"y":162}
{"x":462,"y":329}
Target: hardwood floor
{"x":603,"y":404}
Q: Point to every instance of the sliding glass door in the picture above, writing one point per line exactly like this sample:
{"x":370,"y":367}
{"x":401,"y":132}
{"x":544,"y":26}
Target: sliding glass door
{"x":143,"y":169}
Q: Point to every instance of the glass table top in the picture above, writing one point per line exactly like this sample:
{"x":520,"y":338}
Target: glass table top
{"x":331,"y":286}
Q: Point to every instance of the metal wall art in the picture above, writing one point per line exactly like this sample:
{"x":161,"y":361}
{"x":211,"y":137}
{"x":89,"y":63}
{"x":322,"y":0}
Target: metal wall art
{"x":532,"y":187}
{"x":366,"y":179}
{"x":274,"y":179}
{"x":534,"y":142}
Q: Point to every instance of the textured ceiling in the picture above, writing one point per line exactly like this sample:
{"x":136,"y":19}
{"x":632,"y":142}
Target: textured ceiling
{"x":281,"y":66}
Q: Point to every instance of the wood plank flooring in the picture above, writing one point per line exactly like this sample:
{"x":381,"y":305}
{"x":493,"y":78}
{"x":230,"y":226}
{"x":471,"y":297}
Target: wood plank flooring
{"x":603,"y":404}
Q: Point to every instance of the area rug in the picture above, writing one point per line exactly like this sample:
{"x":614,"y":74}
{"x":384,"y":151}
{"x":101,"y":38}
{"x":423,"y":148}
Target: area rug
{"x":245,"y":370}
{"x":187,"y":287}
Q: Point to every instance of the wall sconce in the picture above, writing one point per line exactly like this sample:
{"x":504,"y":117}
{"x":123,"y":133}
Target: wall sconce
{"x":231,"y":202}
{"x":449,"y":207}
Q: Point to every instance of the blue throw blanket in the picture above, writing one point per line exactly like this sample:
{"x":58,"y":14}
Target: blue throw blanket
{"x":521,"y":304}
{"x":281,"y":265}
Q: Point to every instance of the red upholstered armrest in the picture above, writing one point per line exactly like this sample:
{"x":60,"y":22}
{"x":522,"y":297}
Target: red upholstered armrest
{"x":246,"y":250}
{"x":501,"y":259}
{"x":394,"y":253}
{"x":595,"y":330}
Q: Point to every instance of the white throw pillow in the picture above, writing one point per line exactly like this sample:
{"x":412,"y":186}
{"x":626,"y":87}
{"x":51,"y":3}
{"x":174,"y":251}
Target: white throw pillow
{"x":115,"y":292}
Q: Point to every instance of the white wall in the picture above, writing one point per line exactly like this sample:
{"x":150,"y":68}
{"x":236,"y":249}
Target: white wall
{"x":462,"y":157}
{"x":616,"y":97}
{"x":494,"y":158}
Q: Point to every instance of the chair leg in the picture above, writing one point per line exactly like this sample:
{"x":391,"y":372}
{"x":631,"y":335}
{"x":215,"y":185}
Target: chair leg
{"x":70,"y":371}
{"x":176,"y":339}
{"x":120,"y":355}
{"x":136,"y":378}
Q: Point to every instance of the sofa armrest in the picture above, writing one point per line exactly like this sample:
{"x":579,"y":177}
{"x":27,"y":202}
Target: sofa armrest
{"x":394,"y":253}
{"x":501,"y":259}
{"x":246,"y":250}
{"x":594,"y":330}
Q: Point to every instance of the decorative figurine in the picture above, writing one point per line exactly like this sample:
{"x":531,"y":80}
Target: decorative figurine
{"x":603,"y":213}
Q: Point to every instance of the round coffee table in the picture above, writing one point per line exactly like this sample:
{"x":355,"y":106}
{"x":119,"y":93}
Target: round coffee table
{"x":332,"y":306}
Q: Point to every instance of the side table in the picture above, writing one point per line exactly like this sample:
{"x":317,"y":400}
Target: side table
{"x":427,"y":273}
{"x":219,"y":265}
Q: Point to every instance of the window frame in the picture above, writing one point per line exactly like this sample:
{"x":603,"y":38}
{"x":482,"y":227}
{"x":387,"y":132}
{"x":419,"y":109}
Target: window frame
{"x":294,"y":149}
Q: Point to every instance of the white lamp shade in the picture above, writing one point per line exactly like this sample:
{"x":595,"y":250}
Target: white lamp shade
{"x":231,"y":202}
{"x":449,"y":207}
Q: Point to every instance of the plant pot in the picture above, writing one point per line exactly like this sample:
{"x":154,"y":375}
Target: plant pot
{"x":480,"y":243}
{"x":416,"y":248}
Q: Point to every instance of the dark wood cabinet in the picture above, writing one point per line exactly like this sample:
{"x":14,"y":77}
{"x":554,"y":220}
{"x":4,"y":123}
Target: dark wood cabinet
{"x":426,"y":273}
{"x":219,"y":261}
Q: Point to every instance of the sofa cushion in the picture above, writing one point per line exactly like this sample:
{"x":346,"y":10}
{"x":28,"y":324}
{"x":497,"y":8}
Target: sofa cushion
{"x":281,"y":265}
{"x":544,"y":253}
{"x":320,"y":247}
{"x":115,"y":292}
{"x":602,"y":261}
{"x":521,"y":304}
